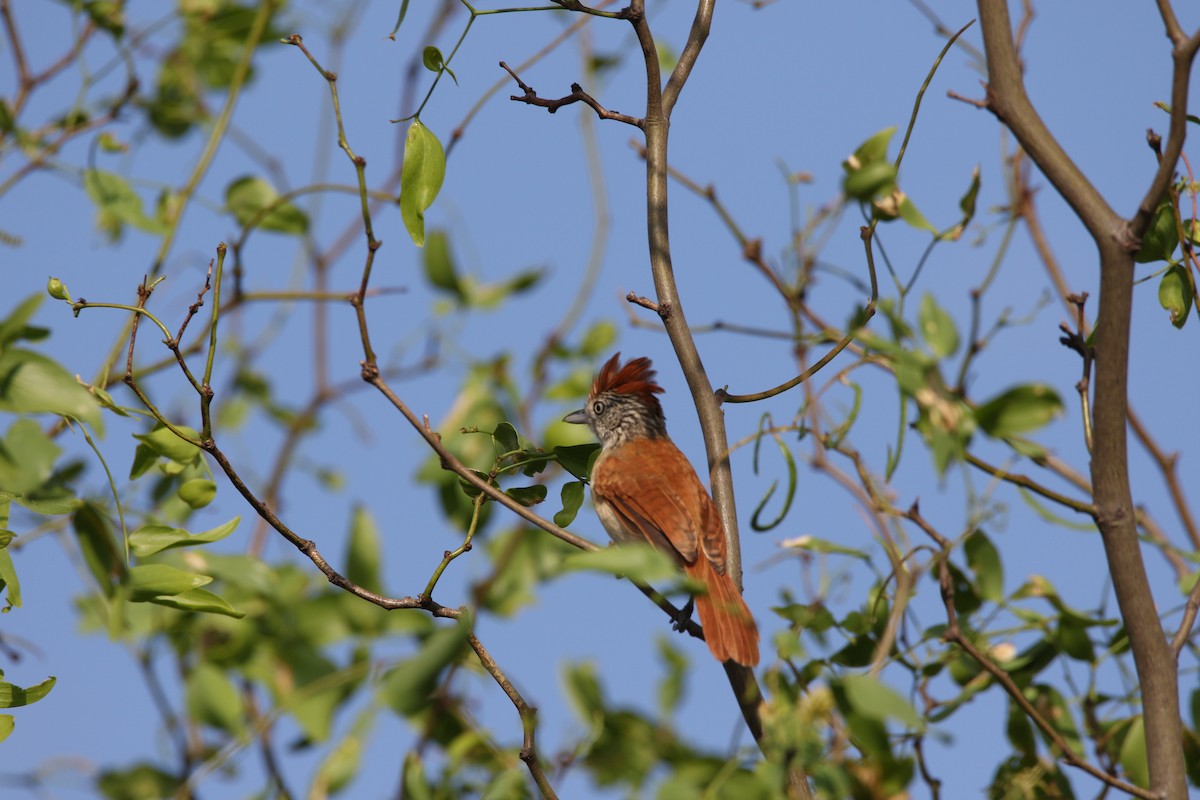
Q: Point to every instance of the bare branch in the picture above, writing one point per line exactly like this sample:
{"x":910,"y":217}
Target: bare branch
{"x":527,"y":713}
{"x":577,"y":95}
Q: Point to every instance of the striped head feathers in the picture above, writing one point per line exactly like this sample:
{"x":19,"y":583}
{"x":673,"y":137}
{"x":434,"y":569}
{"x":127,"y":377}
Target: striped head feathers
{"x":622,"y":404}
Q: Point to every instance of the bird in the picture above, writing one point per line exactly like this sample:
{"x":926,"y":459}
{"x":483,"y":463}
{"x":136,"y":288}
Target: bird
{"x":644,"y":489}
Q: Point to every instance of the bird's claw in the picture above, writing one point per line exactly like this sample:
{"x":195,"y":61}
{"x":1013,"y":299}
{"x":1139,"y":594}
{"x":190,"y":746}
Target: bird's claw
{"x":684,"y":616}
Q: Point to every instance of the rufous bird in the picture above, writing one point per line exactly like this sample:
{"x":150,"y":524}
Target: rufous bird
{"x":645,"y":490}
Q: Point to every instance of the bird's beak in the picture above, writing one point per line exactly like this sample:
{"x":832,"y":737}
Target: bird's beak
{"x":576,"y":417}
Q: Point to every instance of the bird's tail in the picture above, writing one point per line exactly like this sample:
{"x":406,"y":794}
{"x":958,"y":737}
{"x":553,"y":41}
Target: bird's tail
{"x":728,"y":624}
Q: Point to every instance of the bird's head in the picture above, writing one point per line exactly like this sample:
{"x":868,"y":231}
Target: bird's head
{"x":622,"y":405}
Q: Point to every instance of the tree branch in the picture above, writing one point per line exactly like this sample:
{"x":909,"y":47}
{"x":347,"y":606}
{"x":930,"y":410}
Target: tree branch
{"x":954,"y":635}
{"x":527,"y":713}
{"x":577,"y":95}
{"x":1116,"y":239}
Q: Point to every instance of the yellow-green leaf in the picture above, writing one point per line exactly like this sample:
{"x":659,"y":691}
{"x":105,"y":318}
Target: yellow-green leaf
{"x":638,"y":562}
{"x":197,"y":492}
{"x":248,"y":199}
{"x":200,"y":600}
{"x":150,"y":539}
{"x":421,"y":178}
{"x":1018,"y":410}
{"x":1159,"y":240}
{"x":31,"y":383}
{"x":151,"y":580}
{"x":12,"y":696}
{"x":1175,"y":294}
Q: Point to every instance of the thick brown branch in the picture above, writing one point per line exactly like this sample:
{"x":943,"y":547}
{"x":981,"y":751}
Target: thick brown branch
{"x":1116,"y":240}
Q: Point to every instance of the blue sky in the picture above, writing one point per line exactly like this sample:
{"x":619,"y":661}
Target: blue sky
{"x":797,"y":84}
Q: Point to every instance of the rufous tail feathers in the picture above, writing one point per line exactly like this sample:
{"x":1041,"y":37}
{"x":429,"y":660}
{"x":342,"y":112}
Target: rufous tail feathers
{"x":728,"y":624}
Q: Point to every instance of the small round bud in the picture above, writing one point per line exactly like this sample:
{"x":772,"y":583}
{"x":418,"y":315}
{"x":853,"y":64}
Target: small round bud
{"x":58,"y":290}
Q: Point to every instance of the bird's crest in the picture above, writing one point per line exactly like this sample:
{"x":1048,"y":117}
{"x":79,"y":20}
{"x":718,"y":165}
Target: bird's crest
{"x":635,"y":378}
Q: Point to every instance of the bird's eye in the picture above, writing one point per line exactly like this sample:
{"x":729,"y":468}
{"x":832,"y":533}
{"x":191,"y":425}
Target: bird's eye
{"x":598,"y":407}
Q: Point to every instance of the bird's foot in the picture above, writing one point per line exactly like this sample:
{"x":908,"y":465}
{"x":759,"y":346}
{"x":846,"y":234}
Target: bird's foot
{"x":684,"y":616}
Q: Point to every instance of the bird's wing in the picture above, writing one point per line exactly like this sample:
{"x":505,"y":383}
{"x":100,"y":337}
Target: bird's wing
{"x":653,"y":490}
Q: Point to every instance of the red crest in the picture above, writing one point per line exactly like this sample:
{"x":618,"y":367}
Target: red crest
{"x":636,"y":378}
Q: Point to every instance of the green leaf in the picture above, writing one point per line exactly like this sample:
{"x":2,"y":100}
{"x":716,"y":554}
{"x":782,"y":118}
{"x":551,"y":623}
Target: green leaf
{"x":16,"y":325}
{"x":200,"y":600}
{"x":529,"y":558}
{"x":7,"y":723}
{"x":984,"y":561}
{"x":27,"y":457}
{"x":909,"y":212}
{"x":144,"y":458}
{"x":433,"y":61}
{"x":812,"y":544}
{"x":1191,"y":229}
{"x":1019,"y":410}
{"x":872,"y":150}
{"x":577,"y":458}
{"x":874,"y":699}
{"x":139,"y":782}
{"x":1054,"y":708}
{"x":634,"y":560}
{"x":671,"y":687}
{"x":108,"y":15}
{"x":870,"y":181}
{"x":967,"y":205}
{"x":1175,"y":294}
{"x":408,"y":687}
{"x":527,"y":495}
{"x":598,"y":339}
{"x":412,"y":776}
{"x":148,"y":581}
{"x":118,"y":204}
{"x":1133,"y":753}
{"x":104,"y":558}
{"x":248,"y":197}
{"x":341,"y":766}
{"x":213,"y":700}
{"x":506,"y":785}
{"x":439,"y":265}
{"x":1072,"y":638}
{"x":490,"y":295}
{"x":572,"y":500}
{"x":1160,"y":239}
{"x":151,"y":539}
{"x":197,"y":492}
{"x":506,"y":438}
{"x":581,"y":683}
{"x":1020,"y":730}
{"x":364,"y":551}
{"x":399,"y":19}
{"x":31,"y":383}
{"x":421,"y":178}
{"x":163,"y":442}
{"x":12,"y":696}
{"x":937,"y":327}
{"x":9,"y":581}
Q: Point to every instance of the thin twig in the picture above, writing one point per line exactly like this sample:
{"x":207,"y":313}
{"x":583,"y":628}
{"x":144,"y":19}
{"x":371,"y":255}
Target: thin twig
{"x":577,"y":95}
{"x":527,"y":712}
